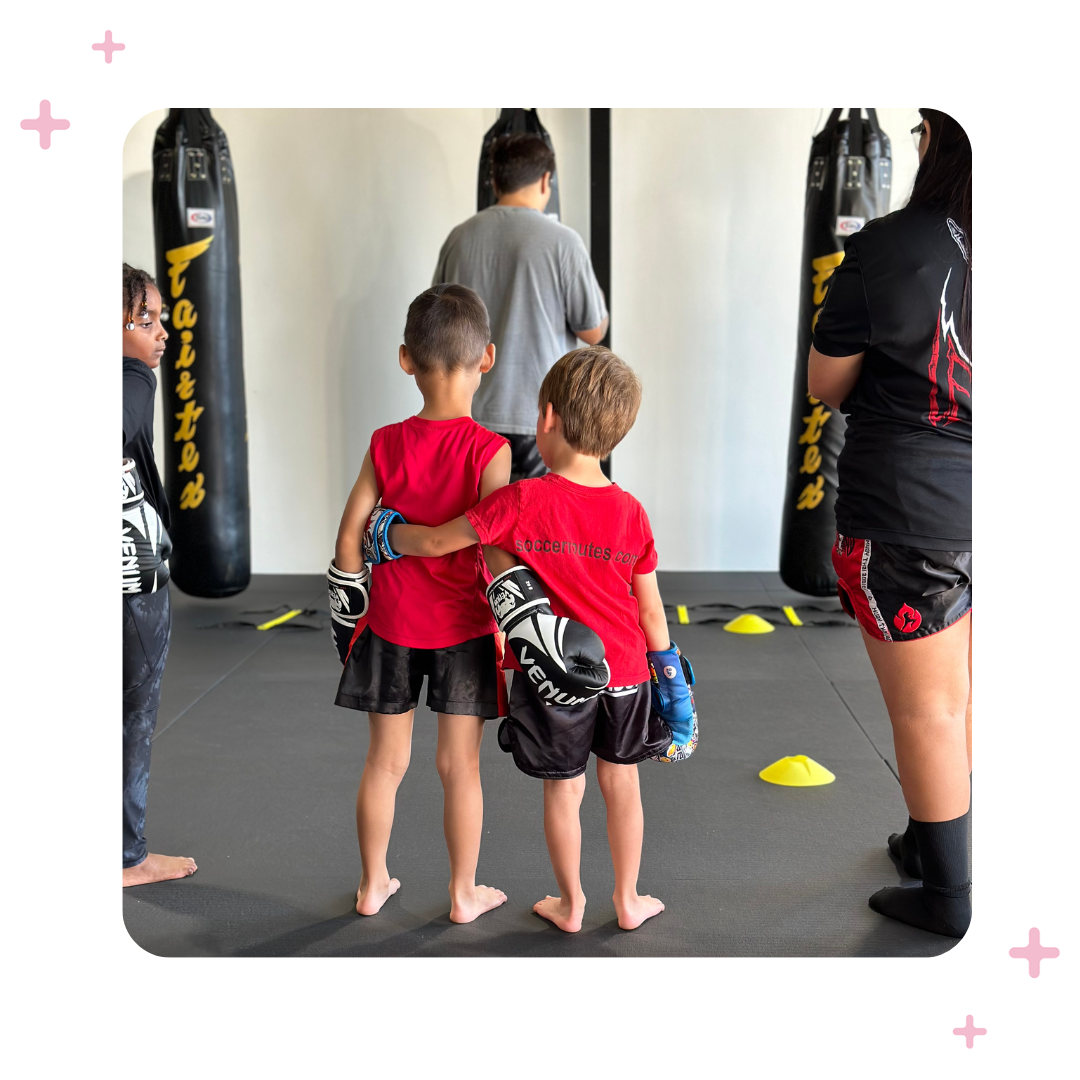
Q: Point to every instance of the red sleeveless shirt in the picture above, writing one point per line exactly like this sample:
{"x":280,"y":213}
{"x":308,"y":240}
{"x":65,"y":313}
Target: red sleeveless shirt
{"x":429,"y":471}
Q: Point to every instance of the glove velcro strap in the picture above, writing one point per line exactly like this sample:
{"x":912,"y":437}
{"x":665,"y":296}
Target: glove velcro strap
{"x":358,"y":580}
{"x":513,"y":594}
{"x":339,"y":584}
{"x":377,"y":547}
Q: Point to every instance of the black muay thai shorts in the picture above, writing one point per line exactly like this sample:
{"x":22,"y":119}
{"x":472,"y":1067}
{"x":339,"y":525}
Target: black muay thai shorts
{"x":899,"y":593}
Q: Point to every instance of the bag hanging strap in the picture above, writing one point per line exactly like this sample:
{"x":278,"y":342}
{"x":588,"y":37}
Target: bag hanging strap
{"x":855,"y":140}
{"x":830,"y":124}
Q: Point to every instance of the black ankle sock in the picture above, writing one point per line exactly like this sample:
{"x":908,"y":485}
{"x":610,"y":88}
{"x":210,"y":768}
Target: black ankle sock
{"x":904,"y":848}
{"x":943,"y":903}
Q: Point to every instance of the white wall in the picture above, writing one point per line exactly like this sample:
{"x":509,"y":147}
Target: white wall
{"x":707,"y":209}
{"x":342,"y":213}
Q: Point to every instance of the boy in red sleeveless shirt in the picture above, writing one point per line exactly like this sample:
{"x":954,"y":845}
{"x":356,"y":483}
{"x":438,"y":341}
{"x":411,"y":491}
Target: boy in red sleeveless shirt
{"x":426,"y":617}
{"x":591,"y":545}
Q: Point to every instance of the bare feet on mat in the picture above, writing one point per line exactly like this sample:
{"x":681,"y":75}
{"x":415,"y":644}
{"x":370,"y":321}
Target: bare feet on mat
{"x":370,"y":898}
{"x":563,"y":913}
{"x":471,"y":905}
{"x":633,"y":912}
{"x":159,"y":868}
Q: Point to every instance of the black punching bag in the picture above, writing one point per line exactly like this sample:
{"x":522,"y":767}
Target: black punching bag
{"x":512,"y":122}
{"x":847,"y":184}
{"x":202,"y":373}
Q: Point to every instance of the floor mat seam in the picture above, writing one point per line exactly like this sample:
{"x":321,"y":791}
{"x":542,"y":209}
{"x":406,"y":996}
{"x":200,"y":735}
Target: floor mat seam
{"x":851,"y":712}
{"x":213,"y":686}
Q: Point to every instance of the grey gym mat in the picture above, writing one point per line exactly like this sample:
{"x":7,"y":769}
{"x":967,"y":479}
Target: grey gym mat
{"x":254,"y":774}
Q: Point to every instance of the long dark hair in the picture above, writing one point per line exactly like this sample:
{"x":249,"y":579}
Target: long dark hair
{"x":944,"y":183}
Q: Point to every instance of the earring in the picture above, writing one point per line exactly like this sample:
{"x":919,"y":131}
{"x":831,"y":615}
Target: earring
{"x":129,"y":326}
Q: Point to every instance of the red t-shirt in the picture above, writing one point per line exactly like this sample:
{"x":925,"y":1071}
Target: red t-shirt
{"x":429,"y":471}
{"x":585,"y":544}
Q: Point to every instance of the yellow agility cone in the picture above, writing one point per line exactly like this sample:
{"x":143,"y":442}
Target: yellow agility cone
{"x":749,"y":624}
{"x":797,"y":771}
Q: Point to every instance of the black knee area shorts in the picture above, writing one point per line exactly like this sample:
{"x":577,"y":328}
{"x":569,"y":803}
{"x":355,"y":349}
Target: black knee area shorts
{"x":553,"y":742}
{"x":382,"y":677}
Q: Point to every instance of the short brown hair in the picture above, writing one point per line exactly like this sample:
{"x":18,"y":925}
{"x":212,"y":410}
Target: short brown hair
{"x":519,"y":160}
{"x":596,"y":395}
{"x":447,"y":327}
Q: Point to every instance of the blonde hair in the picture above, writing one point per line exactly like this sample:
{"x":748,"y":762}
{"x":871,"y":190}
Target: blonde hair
{"x":596,"y":395}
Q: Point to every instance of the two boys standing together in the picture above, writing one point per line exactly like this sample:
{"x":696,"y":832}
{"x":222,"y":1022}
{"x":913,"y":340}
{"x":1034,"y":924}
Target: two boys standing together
{"x":574,"y":590}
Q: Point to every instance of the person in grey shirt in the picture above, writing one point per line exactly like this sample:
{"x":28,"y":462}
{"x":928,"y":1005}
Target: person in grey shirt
{"x":536,"y":279}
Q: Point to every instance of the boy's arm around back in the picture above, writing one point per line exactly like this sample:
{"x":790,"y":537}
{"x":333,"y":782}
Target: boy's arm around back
{"x":495,"y":476}
{"x":459,"y":533}
{"x":348,"y":551}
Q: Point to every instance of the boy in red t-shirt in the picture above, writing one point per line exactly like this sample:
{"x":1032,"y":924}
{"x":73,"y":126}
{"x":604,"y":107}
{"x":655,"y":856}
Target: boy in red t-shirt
{"x":590,"y":544}
{"x":426,"y":617}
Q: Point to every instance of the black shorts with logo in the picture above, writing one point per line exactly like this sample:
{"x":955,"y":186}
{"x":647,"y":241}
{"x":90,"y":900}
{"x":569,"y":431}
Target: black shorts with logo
{"x":382,"y":677}
{"x":554,"y":742}
{"x":899,"y":593}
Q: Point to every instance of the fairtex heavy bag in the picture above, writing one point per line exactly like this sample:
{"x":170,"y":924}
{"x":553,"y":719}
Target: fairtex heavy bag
{"x":512,"y":122}
{"x":847,"y":184}
{"x":202,"y":373}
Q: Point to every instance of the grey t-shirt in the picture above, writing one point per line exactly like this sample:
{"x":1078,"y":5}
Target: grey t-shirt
{"x":535,"y":276}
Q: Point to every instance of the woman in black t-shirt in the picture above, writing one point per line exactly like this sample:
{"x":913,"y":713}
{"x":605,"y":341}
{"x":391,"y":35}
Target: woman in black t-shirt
{"x":892,"y":349}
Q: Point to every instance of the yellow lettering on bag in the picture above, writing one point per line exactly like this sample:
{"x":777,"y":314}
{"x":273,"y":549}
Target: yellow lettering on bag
{"x":179,"y":259}
{"x":193,"y":493}
{"x":814,"y":423}
{"x":824,"y":268}
{"x":185,"y":388}
{"x":809,"y":497}
{"x":184,"y":314}
{"x":811,"y":460}
{"x":187,"y":419}
{"x":189,"y":458}
{"x":186,"y":357}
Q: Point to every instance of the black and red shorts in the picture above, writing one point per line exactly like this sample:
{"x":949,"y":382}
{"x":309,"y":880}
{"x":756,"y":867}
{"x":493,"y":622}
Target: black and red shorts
{"x":553,"y":742}
{"x":383,"y":677}
{"x":899,"y":593}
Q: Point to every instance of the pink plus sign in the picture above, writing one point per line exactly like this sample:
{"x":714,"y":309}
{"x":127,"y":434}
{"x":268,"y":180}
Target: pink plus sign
{"x":108,"y":46}
{"x":1035,"y":952}
{"x":969,"y":1031}
{"x":45,"y":125}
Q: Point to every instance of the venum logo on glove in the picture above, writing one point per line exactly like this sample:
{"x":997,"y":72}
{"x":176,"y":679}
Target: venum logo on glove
{"x":562,"y":659}
{"x":530,"y":664}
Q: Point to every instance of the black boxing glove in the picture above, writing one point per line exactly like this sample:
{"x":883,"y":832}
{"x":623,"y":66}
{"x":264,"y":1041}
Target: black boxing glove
{"x":562,"y":659}
{"x":348,"y":595}
{"x":146,"y":544}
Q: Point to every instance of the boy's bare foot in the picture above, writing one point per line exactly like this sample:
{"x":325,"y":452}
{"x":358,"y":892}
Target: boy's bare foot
{"x":159,"y":868}
{"x":633,"y":912}
{"x":563,"y":913}
{"x":469,"y":906}
{"x":369,"y":898}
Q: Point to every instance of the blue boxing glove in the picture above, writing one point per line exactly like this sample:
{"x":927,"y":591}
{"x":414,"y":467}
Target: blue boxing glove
{"x":377,"y":547}
{"x":673,"y":701}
